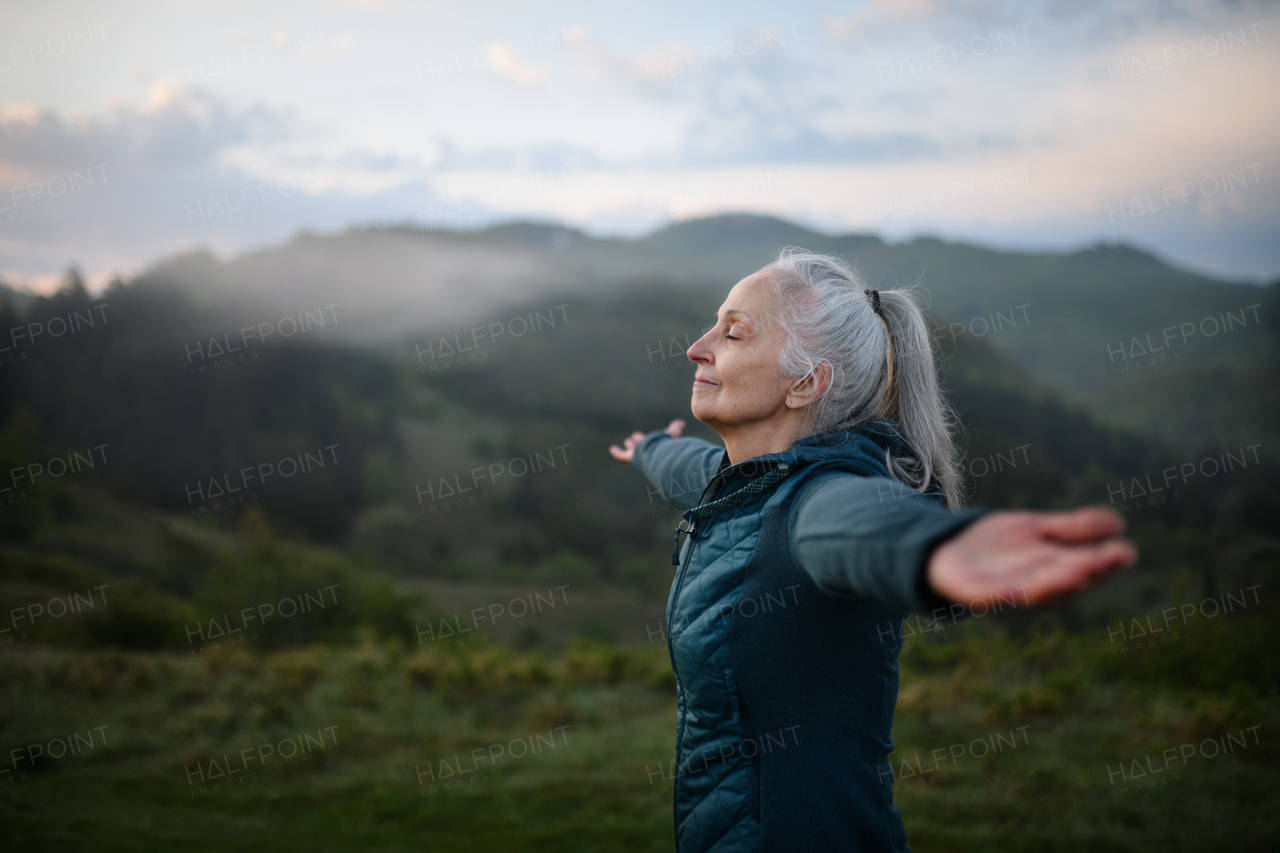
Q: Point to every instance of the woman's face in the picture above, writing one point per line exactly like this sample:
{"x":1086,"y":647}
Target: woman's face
{"x":738,"y":383}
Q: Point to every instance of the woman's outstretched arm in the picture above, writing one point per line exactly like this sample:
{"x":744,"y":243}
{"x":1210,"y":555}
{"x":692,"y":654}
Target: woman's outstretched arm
{"x":678,"y":467}
{"x":871,"y":537}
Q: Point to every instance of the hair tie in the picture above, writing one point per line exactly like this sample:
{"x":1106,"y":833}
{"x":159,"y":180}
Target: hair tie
{"x":888,"y":355}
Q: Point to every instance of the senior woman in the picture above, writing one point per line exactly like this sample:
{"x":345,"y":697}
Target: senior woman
{"x":831,"y":512}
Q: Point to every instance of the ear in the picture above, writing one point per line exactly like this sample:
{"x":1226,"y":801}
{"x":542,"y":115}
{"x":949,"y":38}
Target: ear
{"x":809,"y":387}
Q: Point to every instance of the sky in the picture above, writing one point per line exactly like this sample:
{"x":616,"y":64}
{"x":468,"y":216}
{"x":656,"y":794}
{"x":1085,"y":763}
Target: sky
{"x":136,"y":130}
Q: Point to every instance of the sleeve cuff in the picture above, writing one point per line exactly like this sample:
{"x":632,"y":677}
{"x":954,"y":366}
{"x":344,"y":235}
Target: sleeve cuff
{"x":928,"y":599}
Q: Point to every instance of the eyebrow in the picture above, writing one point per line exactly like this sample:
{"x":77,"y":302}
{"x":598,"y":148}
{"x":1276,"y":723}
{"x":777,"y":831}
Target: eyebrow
{"x":735,"y":312}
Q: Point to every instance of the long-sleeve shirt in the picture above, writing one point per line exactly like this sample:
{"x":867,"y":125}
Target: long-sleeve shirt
{"x":867,"y":537}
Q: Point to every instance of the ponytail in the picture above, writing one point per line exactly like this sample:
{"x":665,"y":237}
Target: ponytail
{"x":916,"y":404}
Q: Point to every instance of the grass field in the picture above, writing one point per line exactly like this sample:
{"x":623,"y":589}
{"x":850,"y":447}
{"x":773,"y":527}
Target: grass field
{"x":189,"y":752}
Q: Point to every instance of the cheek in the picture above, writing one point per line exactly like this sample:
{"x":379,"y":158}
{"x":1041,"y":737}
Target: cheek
{"x":760,"y":370}
{"x":756,"y":379}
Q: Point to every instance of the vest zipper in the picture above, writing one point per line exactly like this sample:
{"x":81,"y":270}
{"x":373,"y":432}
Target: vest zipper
{"x":671,"y":611}
{"x":671,"y":615}
{"x":692,"y":530}
{"x":675,"y":598}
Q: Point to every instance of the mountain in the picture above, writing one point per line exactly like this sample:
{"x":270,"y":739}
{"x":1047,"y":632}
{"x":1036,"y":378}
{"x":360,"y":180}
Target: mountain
{"x":487,"y":464}
{"x":441,"y":403}
{"x":1089,"y":323}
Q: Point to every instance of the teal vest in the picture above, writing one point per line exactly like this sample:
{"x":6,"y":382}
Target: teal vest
{"x":786,"y":693}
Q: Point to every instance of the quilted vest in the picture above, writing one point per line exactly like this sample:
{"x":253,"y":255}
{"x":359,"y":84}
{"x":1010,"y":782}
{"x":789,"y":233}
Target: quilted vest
{"x":786,"y":693}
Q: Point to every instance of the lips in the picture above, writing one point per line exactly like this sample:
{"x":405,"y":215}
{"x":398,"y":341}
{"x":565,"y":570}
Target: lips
{"x":703,"y":382}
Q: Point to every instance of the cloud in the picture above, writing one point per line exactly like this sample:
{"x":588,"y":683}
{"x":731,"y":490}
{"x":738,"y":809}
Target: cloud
{"x":659,"y":70}
{"x":754,"y":97}
{"x":600,"y":59}
{"x":184,"y":168}
{"x":873,"y":19}
{"x":175,"y":128}
{"x":504,"y":63}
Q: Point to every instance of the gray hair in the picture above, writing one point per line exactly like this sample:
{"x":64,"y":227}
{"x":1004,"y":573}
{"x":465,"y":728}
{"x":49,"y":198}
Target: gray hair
{"x":881,"y":364}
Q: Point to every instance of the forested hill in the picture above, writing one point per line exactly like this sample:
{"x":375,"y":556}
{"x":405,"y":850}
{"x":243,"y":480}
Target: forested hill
{"x":1170,"y":352}
{"x":204,"y":414}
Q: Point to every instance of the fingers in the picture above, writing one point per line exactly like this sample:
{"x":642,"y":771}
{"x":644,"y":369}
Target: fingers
{"x":629,"y":443}
{"x":1072,"y":570}
{"x":1088,"y":524}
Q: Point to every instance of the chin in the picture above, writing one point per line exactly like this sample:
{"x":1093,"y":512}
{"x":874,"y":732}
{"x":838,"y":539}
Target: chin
{"x":701,"y":412}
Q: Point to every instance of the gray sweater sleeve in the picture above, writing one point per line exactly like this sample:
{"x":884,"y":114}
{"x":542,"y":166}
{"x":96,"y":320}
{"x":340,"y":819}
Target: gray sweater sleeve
{"x":871,"y":537}
{"x":679,"y":468}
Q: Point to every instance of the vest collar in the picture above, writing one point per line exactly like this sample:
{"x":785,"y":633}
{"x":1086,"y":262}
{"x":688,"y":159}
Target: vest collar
{"x":872,"y":438}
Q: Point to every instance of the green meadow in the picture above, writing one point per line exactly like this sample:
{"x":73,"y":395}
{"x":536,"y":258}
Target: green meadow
{"x":1009,"y":737}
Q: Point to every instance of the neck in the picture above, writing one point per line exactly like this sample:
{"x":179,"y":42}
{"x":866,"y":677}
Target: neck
{"x":747,"y":441}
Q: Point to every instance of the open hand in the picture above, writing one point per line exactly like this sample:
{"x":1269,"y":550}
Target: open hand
{"x":1041,"y":555}
{"x":624,"y":455}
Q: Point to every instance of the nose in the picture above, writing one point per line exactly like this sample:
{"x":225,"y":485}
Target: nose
{"x":700,"y":352}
